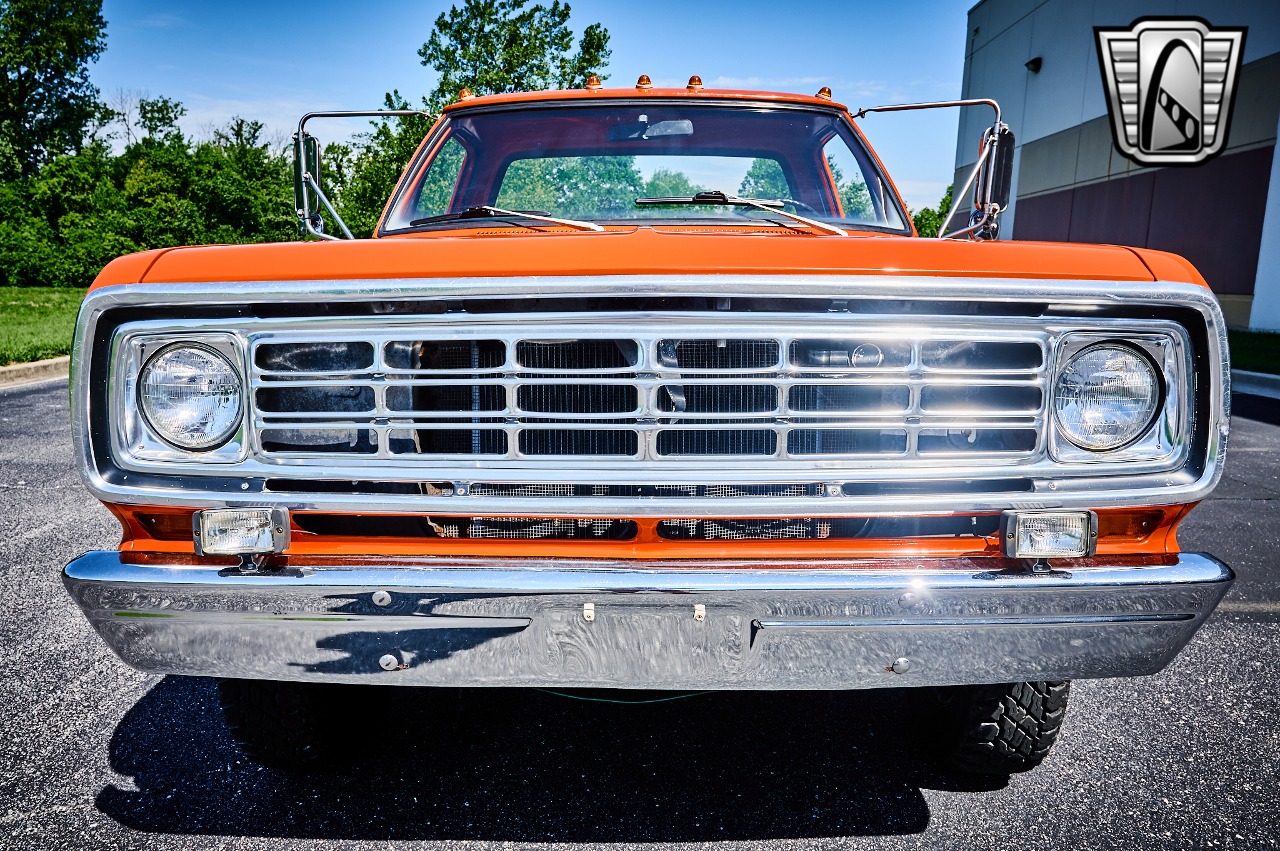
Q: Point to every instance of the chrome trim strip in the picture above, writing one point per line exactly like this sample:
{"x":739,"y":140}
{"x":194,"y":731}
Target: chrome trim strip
{"x":1097,"y":492}
{"x":514,"y":622}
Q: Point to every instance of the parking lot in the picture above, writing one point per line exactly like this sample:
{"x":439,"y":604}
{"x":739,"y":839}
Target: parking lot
{"x":96,"y":755}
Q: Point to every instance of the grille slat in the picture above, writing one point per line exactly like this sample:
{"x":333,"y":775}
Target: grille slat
{"x":423,"y":394}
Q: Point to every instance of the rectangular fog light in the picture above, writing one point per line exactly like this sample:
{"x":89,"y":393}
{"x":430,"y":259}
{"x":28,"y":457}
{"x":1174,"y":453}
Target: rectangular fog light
{"x":241,"y":531}
{"x":1049,"y":534}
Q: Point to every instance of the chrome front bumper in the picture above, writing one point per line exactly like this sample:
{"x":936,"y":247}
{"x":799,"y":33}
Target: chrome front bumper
{"x":672,"y":625}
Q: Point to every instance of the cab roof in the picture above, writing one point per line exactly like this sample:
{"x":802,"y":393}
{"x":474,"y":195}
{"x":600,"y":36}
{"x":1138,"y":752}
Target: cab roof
{"x":693,"y":93}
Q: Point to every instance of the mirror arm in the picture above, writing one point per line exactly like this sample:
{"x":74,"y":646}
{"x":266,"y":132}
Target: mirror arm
{"x":986,"y":159}
{"x":311,"y":229}
{"x":958,"y":197}
{"x":324,"y":199}
{"x":310,"y":184}
{"x":899,"y":107}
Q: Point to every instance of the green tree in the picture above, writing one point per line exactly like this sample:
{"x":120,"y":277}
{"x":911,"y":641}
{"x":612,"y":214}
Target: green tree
{"x":764,"y":180}
{"x":493,"y":46}
{"x":373,"y":166}
{"x":487,"y":46}
{"x":928,"y":221}
{"x":588,"y":187}
{"x":855,"y":199}
{"x":46,"y":99}
{"x":81,"y":210}
{"x":665,"y":183}
{"x":158,"y":116}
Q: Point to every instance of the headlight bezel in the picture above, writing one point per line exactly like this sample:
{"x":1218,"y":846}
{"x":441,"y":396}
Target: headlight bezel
{"x":1164,"y":437}
{"x":1157,"y":392}
{"x":148,"y":417}
{"x":133,"y":434}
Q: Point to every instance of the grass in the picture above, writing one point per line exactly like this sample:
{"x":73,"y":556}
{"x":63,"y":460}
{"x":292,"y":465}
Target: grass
{"x":1256,"y":351}
{"x":37,"y":322}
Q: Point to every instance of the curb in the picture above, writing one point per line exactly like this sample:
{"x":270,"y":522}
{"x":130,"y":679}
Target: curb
{"x":1255,"y":383}
{"x":29,"y":373}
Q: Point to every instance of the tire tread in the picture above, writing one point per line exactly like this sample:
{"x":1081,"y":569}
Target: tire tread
{"x":1008,"y":728}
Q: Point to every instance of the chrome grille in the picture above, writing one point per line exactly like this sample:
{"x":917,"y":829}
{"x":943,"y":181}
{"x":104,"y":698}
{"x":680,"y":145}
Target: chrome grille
{"x":899,"y":392}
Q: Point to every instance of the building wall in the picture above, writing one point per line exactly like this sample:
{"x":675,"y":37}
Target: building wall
{"x":1070,"y":181}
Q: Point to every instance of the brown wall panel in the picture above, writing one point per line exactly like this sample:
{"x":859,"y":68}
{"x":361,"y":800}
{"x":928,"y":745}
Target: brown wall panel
{"x":1114,"y":211}
{"x":1212,"y":215}
{"x":1044,"y":217}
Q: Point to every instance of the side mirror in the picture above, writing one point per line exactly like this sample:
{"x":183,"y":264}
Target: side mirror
{"x":995,"y":178}
{"x":1002,"y":168}
{"x":306,"y":178}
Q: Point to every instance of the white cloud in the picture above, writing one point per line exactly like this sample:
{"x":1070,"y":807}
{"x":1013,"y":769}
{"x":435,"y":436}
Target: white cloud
{"x":162,"y":21}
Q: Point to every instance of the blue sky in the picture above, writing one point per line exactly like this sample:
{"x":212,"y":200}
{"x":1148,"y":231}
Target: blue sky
{"x":274,"y":61}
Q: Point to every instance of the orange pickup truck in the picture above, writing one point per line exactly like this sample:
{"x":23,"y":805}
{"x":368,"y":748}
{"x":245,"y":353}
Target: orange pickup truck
{"x":650,"y":389}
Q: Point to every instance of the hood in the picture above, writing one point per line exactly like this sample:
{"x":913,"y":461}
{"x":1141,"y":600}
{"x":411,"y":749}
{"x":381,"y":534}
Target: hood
{"x":642,"y":251}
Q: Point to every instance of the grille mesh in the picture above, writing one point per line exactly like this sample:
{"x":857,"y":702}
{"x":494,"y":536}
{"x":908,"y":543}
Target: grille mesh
{"x":535,"y":528}
{"x":541,"y":393}
{"x":743,"y":530}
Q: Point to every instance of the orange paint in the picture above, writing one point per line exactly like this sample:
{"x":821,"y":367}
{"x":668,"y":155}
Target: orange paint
{"x":1169,"y":267}
{"x":629,"y":251}
{"x":612,"y":94}
{"x":160,"y":529}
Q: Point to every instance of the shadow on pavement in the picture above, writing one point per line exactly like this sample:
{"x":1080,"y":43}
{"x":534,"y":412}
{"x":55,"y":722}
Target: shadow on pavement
{"x":1260,"y":408}
{"x":522,"y":765}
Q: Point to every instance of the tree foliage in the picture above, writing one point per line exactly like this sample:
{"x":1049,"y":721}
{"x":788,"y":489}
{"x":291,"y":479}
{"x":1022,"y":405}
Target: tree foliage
{"x":928,"y":221}
{"x":764,"y":180}
{"x":362,"y":177}
{"x":81,"y":210}
{"x":46,"y":99}
{"x":69,"y":203}
{"x":487,"y":46}
{"x":493,"y":46}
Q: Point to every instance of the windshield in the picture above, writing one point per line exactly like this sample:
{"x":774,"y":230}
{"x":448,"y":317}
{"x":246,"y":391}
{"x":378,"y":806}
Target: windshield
{"x":607,"y":164}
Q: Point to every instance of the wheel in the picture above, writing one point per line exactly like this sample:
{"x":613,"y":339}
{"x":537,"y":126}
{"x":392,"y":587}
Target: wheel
{"x":1003,"y":728}
{"x":292,"y":726}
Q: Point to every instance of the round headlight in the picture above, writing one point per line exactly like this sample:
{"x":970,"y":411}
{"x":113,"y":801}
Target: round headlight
{"x":190,"y":395}
{"x":1106,"y":397}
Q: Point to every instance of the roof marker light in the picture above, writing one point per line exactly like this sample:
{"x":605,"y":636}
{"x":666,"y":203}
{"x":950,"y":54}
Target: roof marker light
{"x":644,"y":82}
{"x":824,"y":93}
{"x":695,"y":83}
{"x":593,"y":83}
{"x":465,"y":94}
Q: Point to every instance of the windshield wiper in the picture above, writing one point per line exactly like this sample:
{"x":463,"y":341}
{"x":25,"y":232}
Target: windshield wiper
{"x":486,"y":212}
{"x":771,"y":205}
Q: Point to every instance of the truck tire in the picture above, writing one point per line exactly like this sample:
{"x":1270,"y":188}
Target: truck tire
{"x":287,"y":725}
{"x":1004,"y":728}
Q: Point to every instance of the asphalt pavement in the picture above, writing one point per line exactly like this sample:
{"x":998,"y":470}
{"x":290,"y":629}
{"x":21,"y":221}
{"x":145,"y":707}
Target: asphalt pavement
{"x":96,"y":755}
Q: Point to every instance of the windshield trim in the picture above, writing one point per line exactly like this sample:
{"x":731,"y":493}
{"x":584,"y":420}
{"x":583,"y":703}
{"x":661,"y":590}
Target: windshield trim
{"x":440,"y":132}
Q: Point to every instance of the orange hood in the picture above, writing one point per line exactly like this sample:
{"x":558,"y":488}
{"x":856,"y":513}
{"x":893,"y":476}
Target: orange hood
{"x":461,"y":254}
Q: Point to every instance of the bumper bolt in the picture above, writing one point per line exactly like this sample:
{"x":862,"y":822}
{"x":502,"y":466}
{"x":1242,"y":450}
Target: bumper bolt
{"x":381,"y":598}
{"x":901,"y":666}
{"x":389,"y":662}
